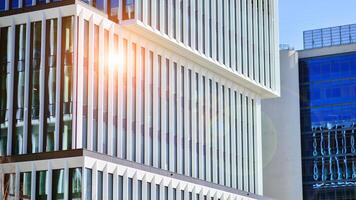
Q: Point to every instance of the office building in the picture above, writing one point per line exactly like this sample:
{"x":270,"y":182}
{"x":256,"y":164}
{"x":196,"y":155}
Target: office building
{"x":327,"y":91}
{"x":135,"y":99}
{"x":327,"y":79}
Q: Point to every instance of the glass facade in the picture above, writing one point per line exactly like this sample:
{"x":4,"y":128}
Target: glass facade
{"x":34,"y":85}
{"x":332,"y":36}
{"x":328,"y":124}
{"x":79,"y":82}
{"x":5,"y":71}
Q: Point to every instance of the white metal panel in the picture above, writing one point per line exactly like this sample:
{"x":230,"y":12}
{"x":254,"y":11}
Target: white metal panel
{"x":227,"y":150}
{"x":214,"y":133}
{"x":186,"y":123}
{"x":194,"y":124}
{"x":139,"y":99}
{"x":164,"y":128}
{"x":155,"y":110}
{"x":201,"y":116}
{"x":180,"y":119}
{"x":130,"y":98}
{"x":221,"y":149}
{"x":172,"y":117}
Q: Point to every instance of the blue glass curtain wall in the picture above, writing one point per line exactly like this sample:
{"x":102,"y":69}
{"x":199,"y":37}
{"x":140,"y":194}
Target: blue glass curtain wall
{"x":328,"y":122}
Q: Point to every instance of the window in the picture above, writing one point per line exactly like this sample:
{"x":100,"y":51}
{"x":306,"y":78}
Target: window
{"x":96,"y":86}
{"x":120,"y":189}
{"x":40,"y":2}
{"x":9,"y":183}
{"x":114,"y":9}
{"x":35,"y":84}
{"x":130,"y":189}
{"x":20,"y":46}
{"x":41,"y":185}
{"x":75,"y":184}
{"x":110,"y":186}
{"x":27,"y":3}
{"x":25,"y":185}
{"x":99,"y":4}
{"x":85,"y":83}
{"x":129,"y":9}
{"x":2,"y":6}
{"x":105,"y":98}
{"x":88,"y":183}
{"x":67,"y":96}
{"x":99,"y":185}
{"x":58,"y":184}
{"x":14,"y":4}
{"x":51,"y":51}
{"x":4,"y":88}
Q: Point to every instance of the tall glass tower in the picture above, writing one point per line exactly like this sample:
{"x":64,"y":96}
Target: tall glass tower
{"x":135,"y":99}
{"x":327,"y":75}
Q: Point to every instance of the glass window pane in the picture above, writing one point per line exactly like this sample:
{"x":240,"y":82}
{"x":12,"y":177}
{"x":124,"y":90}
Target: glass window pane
{"x":58,"y":184}
{"x":35,"y":84}
{"x":88,"y":184}
{"x":20,"y":46}
{"x":100,"y":185}
{"x":25,"y":185}
{"x":14,"y":4}
{"x":4,"y":87}
{"x":9,"y":183}
{"x":51,"y":52}
{"x":67,"y":56}
{"x":120,"y":189}
{"x":99,"y":4}
{"x":75,"y":189}
{"x":41,"y":185}
{"x":129,"y":9}
{"x":110,"y":186}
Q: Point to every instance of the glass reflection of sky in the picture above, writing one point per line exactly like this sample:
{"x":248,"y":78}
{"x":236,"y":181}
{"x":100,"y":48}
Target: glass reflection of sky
{"x":328,"y":88}
{"x":328,"y":118}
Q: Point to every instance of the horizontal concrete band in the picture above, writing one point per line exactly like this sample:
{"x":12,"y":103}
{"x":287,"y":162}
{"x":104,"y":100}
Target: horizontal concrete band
{"x":118,"y":161}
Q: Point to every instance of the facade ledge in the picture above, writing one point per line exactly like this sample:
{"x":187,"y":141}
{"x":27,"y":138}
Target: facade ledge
{"x":83,"y":155}
{"x":180,"y":49}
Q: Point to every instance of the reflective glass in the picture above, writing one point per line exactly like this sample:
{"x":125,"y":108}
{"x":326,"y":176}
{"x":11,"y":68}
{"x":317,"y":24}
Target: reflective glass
{"x":110,"y":186}
{"x":35,"y":86}
{"x":96,"y":87}
{"x":51,"y":54}
{"x":85,"y":83}
{"x":20,"y":46}
{"x":129,"y":9}
{"x":75,"y":188}
{"x":67,"y":66}
{"x":114,"y":9}
{"x":40,"y":2}
{"x":25,"y":185}
{"x":99,"y":4}
{"x":14,"y":4}
{"x":100,"y":185}
{"x":27,"y":3}
{"x":88,"y":184}
{"x":58,"y":184}
{"x":2,"y":6}
{"x":9,"y":183}
{"x":41,"y":186}
{"x":328,"y":123}
{"x":4,"y":87}
{"x":130,"y":189}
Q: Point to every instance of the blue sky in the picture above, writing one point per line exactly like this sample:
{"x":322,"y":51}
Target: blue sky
{"x":295,"y":16}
